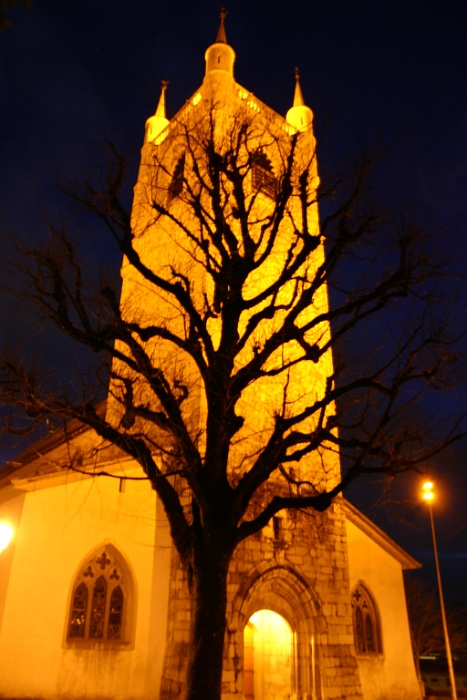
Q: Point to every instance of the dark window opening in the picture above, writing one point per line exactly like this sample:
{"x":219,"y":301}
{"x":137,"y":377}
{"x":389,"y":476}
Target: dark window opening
{"x":366,"y":624}
{"x":277,"y":528}
{"x":262,"y":175}
{"x":176,"y":184}
{"x":98,"y":602}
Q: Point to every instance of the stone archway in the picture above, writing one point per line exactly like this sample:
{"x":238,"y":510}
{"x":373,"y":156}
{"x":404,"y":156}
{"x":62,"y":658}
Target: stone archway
{"x":291,"y":605}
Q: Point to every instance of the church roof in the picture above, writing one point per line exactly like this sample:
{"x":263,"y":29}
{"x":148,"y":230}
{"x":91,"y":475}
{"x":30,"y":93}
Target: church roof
{"x":378,"y":536}
{"x":42,"y":463}
{"x":49,"y":455}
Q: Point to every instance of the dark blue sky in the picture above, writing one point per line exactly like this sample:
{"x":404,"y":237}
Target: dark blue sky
{"x":76,"y":72}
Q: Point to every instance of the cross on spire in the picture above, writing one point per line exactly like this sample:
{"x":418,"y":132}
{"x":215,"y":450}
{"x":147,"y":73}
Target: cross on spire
{"x":221,"y":36}
{"x":160,"y":111}
{"x":298,"y":100}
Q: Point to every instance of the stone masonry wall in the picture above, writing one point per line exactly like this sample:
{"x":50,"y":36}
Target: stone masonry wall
{"x":297,"y":567}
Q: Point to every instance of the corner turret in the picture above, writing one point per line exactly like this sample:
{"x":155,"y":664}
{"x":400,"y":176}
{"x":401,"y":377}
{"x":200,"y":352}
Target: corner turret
{"x":300,"y":116}
{"x":158,"y":122}
{"x":220,"y":56}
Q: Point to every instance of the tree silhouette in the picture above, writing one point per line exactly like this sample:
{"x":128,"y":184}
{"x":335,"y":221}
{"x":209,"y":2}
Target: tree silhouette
{"x":426,"y":627}
{"x":233,"y":382}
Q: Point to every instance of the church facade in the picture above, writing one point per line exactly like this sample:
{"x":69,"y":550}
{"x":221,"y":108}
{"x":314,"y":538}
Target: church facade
{"x":93,"y":600}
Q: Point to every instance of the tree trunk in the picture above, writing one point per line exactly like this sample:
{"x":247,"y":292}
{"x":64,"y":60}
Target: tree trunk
{"x":208,"y":624}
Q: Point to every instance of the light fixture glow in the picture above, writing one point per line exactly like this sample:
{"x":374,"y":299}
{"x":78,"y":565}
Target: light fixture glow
{"x":428,"y":494}
{"x":6,"y":533}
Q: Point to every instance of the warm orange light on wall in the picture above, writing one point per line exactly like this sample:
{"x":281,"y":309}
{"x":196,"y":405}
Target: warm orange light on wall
{"x":6,"y":533}
{"x":269,"y":657}
{"x":273,"y":626}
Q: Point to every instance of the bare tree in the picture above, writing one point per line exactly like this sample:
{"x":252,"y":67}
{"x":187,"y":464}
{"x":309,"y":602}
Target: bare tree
{"x":426,"y":627}
{"x":221,"y":346}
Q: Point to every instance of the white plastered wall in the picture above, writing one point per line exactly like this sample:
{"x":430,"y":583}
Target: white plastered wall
{"x":60,"y":525}
{"x":392,"y":673}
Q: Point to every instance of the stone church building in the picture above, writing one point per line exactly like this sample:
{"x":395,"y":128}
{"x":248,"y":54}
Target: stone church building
{"x":93,"y":601}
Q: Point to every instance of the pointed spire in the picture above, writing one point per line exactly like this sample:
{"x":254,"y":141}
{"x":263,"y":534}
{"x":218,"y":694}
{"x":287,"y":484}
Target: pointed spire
{"x":299,"y":115}
{"x":156,"y":124}
{"x":160,"y":111}
{"x":298,"y":100}
{"x":221,"y":36}
{"x":220,"y":57}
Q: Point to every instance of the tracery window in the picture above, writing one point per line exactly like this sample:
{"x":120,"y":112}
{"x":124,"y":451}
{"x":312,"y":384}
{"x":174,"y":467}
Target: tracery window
{"x":100,"y":599}
{"x":262,"y":175}
{"x":176,"y":183}
{"x":367,"y":629}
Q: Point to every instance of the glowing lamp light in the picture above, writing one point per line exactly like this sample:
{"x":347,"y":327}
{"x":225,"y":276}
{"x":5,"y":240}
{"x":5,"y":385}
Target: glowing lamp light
{"x":6,"y":533}
{"x":428,"y":494}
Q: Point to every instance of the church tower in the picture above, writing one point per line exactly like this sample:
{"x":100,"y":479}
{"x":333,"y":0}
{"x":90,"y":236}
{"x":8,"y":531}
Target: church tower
{"x":177,"y":509}
{"x":289,"y":610}
{"x":165,"y":215}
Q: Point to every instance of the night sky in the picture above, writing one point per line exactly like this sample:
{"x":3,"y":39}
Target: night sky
{"x":74,"y":73}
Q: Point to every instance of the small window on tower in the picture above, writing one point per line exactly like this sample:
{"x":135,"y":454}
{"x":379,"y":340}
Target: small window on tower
{"x":277,"y":528}
{"x":176,"y":184}
{"x":262,"y":175}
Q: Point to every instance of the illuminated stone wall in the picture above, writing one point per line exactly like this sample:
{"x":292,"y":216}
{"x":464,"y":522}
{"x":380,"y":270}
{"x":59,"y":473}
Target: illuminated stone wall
{"x":301,"y":575}
{"x":166,"y":250}
{"x":298,"y":566}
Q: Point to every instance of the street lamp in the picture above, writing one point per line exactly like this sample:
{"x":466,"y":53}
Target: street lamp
{"x":6,"y":533}
{"x":429,"y":497}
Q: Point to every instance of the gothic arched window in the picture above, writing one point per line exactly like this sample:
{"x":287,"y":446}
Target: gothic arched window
{"x":176,"y":183}
{"x":100,"y":602}
{"x":262,"y":175}
{"x":366,"y":625}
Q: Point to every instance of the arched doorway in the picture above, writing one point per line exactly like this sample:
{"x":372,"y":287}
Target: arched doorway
{"x":281,"y":590}
{"x":269,"y":657}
